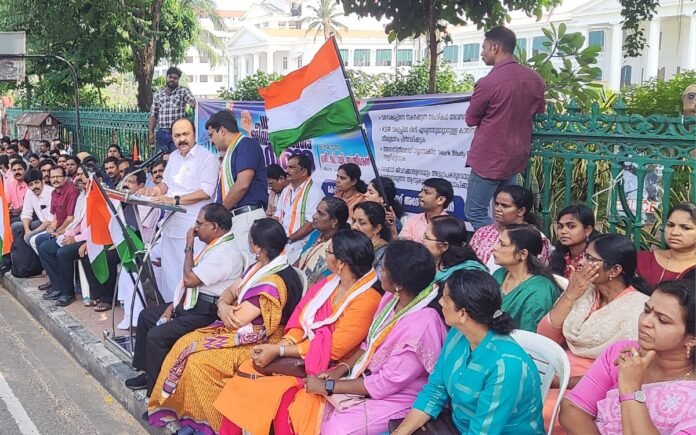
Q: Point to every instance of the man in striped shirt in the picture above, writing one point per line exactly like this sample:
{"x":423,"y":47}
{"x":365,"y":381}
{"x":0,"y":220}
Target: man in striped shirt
{"x":168,"y":105}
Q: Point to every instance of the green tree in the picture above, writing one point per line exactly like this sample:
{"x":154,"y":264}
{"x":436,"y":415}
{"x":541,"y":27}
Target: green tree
{"x":247,"y":89}
{"x":568,"y":69}
{"x":325,"y":19}
{"x":413,"y":18}
{"x":416,"y":82}
{"x":366,"y":85}
{"x":658,"y":96}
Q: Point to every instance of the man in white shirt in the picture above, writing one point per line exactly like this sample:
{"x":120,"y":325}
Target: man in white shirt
{"x":189,"y":181}
{"x":36,"y":210}
{"x":297,"y":203}
{"x":205,"y":276}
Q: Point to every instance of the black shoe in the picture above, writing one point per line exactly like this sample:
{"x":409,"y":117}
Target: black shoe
{"x":64,"y":300}
{"x":45,"y":286}
{"x":145,"y":416}
{"x":52,"y":295}
{"x":137,"y":383}
{"x":5,"y":268}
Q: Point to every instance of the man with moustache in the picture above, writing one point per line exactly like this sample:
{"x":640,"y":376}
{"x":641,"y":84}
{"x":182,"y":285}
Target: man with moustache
{"x":37,"y":203}
{"x":45,"y":167}
{"x":111,"y":171}
{"x":157,"y":172}
{"x":189,"y":181}
{"x":16,"y":188}
{"x":168,"y":105}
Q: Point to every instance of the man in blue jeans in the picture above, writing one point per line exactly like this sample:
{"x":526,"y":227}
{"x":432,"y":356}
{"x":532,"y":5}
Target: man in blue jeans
{"x":501,"y":108}
{"x":168,"y":105}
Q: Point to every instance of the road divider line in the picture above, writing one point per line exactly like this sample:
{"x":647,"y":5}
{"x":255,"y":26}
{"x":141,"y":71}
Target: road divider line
{"x":14,"y":406}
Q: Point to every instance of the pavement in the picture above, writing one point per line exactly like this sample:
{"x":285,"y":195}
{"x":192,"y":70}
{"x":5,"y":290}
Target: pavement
{"x":79,"y":330}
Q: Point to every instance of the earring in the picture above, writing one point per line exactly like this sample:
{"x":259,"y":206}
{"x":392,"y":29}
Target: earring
{"x":610,"y":277}
{"x":688,"y":352}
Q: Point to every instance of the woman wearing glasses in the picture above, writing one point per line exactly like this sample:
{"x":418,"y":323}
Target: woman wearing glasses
{"x":600,"y":306}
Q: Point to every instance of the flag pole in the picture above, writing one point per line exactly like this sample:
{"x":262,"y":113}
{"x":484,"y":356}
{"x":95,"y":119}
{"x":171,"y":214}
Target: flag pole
{"x":363,"y":131}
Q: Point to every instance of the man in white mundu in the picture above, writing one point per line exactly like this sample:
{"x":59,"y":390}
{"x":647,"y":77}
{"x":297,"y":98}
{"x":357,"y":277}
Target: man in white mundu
{"x":189,"y":181}
{"x":297,"y":203}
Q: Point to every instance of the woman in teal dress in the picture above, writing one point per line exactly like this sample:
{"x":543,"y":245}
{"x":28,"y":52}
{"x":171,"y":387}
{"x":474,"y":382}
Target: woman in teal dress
{"x":491,"y":383}
{"x":528,"y":287}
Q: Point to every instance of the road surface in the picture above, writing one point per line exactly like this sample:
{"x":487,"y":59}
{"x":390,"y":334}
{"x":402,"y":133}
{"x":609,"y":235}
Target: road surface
{"x":43,"y":390}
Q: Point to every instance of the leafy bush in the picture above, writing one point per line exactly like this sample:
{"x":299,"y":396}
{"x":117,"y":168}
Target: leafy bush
{"x":247,"y":89}
{"x":658,"y":96}
{"x":415,"y":82}
{"x":366,"y":85}
{"x":573,"y":74}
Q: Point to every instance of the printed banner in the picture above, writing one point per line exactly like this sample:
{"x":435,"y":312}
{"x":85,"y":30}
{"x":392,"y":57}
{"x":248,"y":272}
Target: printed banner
{"x":413,"y":138}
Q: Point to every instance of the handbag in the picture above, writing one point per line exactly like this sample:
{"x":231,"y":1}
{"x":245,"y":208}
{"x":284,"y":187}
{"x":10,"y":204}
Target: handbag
{"x":342,"y":402}
{"x":443,"y":425}
{"x":284,"y":366}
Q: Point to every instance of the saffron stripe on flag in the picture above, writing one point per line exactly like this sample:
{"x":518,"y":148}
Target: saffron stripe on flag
{"x":314,"y":98}
{"x":330,"y":116}
{"x":290,"y":87}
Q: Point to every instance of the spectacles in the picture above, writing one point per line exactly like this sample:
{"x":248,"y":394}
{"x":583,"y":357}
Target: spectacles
{"x":430,"y":239}
{"x":592,"y":259}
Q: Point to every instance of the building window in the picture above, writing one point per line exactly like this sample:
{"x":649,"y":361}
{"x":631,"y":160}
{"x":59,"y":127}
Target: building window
{"x":344,"y":55}
{"x":626,"y":72}
{"x":299,"y":61}
{"x":204,"y":78}
{"x":204,"y":58}
{"x":188,"y":59}
{"x":361,"y":57}
{"x":520,"y":47}
{"x":450,"y":54}
{"x":596,"y":37}
{"x":285,"y":63}
{"x":471,"y":52}
{"x":538,"y":45}
{"x":218,"y":78}
{"x":404,"y":57}
{"x":282,"y":24}
{"x":384,"y":57}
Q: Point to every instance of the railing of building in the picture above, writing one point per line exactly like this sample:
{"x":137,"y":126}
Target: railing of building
{"x":613,"y":161}
{"x":630,"y":169}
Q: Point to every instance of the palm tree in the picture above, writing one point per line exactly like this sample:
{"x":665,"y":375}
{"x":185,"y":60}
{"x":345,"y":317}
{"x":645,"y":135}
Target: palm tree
{"x":325,"y":20}
{"x":208,"y":43}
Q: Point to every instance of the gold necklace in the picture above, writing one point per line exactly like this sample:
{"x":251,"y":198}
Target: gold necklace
{"x":507,"y":287}
{"x":664,"y":268}
{"x":682,"y":377}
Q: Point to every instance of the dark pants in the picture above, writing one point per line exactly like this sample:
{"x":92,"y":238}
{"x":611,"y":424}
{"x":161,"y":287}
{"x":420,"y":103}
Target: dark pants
{"x":98,"y":291}
{"x":59,"y":263}
{"x":153,"y":343}
{"x":164,"y":141}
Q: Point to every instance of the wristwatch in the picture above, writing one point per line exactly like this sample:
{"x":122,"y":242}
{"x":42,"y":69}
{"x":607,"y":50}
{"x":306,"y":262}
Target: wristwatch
{"x":176,"y":199}
{"x":329,"y":385}
{"x":188,"y":249}
{"x":638,"y":396}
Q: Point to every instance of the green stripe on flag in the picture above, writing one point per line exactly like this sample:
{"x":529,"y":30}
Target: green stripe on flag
{"x":100,"y":267}
{"x":125,"y":254}
{"x":338,"y":117}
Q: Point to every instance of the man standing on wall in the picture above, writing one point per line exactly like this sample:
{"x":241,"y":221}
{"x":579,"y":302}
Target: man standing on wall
{"x":168,"y":105}
{"x":502,"y":107}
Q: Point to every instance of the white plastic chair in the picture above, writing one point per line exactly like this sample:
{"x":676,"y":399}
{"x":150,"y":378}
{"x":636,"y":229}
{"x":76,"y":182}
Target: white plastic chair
{"x":551,"y":360}
{"x":303,"y":278}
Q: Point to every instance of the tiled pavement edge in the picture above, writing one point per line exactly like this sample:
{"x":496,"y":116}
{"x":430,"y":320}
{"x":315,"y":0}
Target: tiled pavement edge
{"x":88,"y":350}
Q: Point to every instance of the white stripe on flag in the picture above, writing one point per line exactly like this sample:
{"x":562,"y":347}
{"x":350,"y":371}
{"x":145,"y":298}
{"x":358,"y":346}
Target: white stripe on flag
{"x":316,"y":96}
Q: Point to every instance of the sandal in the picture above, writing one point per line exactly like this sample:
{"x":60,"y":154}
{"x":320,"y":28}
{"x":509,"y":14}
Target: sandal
{"x":90,"y":303}
{"x":102,"y":306}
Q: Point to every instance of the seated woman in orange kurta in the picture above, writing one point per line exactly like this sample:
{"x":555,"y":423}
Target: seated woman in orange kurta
{"x":331,"y":321}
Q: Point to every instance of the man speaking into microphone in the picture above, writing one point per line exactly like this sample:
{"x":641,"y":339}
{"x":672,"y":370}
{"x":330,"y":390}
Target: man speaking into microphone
{"x":189,"y":181}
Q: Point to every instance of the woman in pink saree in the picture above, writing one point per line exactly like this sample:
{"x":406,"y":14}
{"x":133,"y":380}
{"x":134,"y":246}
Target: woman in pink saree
{"x":645,"y":386}
{"x":380,"y":381}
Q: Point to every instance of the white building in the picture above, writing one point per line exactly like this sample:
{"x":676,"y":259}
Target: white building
{"x":265,"y":36}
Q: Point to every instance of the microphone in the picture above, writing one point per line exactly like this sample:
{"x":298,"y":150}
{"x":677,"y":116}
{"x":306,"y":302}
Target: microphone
{"x":158,"y":155}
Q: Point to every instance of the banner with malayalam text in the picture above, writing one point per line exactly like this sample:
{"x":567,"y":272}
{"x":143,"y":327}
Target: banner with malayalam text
{"x":413,"y":138}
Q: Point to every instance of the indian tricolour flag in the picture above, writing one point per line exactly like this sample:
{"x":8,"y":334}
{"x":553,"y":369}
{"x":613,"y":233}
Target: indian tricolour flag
{"x":6,"y":235}
{"x":103,"y":231}
{"x":312,"y":101}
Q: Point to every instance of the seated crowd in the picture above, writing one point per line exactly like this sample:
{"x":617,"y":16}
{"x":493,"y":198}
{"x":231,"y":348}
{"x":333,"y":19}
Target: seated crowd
{"x":289,"y":311}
